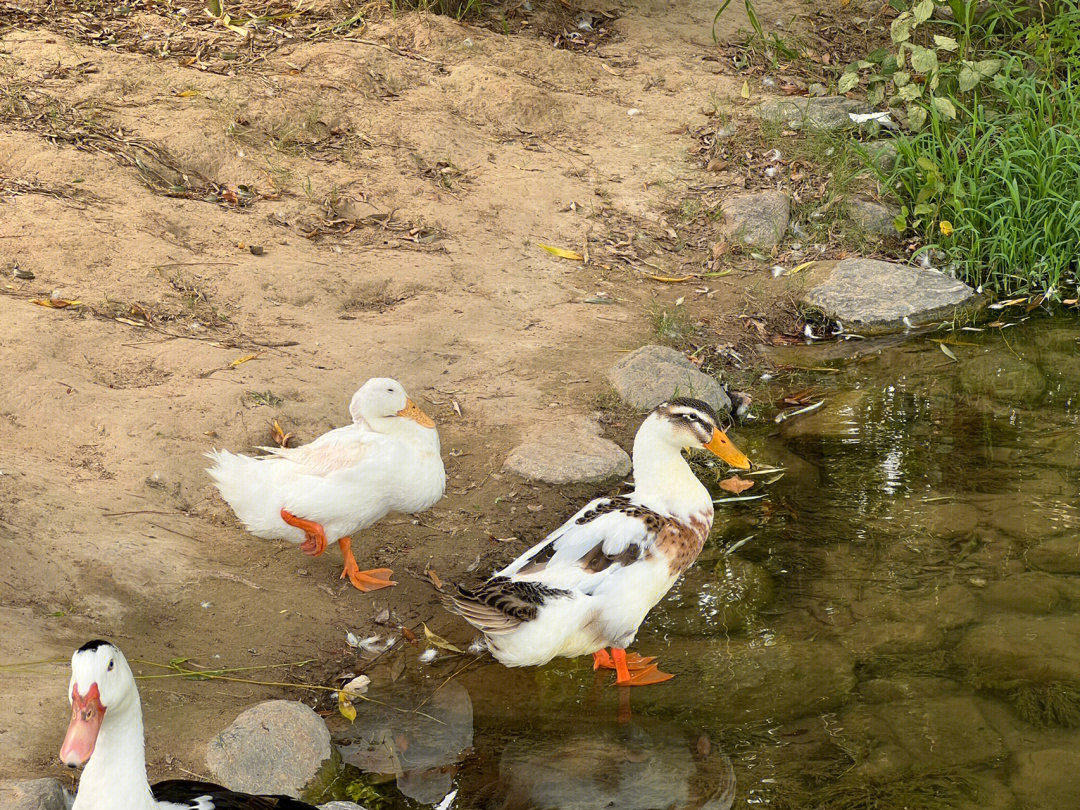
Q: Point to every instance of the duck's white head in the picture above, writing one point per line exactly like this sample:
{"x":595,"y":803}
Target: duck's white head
{"x":687,"y":423}
{"x":101,"y":683}
{"x":381,"y":399}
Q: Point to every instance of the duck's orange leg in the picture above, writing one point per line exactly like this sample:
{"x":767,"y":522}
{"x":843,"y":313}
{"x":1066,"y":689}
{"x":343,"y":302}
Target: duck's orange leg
{"x":644,"y":671}
{"x":370,"y":580}
{"x":315,"y":544}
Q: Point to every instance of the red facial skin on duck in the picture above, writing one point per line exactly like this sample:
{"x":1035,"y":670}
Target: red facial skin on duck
{"x":86,"y":716}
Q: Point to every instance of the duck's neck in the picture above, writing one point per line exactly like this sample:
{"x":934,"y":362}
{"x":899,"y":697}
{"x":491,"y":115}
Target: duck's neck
{"x":663,"y":480}
{"x":115,"y":776}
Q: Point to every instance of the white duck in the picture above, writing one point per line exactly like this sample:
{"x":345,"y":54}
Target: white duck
{"x":590,"y":583}
{"x":386,"y":461}
{"x":106,"y":735}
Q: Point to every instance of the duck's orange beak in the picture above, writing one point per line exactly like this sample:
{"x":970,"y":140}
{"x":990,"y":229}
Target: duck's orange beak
{"x":720,"y":445}
{"x":86,"y":716}
{"x":412,"y":411}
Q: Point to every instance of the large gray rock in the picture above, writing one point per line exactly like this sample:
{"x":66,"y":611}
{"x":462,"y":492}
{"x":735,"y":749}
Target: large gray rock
{"x":652,"y":374}
{"x":882,"y":154}
{"x":34,"y":794}
{"x":1031,"y":649}
{"x":757,"y":220}
{"x":870,"y":295}
{"x":828,"y":112}
{"x":1043,"y":780}
{"x":871,"y":216}
{"x":571,"y":452}
{"x":273,"y":747}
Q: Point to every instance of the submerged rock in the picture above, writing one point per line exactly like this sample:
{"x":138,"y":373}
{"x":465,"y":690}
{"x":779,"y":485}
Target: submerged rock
{"x":273,"y":747}
{"x":757,"y":220}
{"x":34,"y":794}
{"x":743,"y":681}
{"x":1003,"y":377}
{"x":713,"y":601}
{"x":1045,"y":779}
{"x":825,"y":112}
{"x":870,"y":295}
{"x":1029,"y":592}
{"x":1059,"y":555}
{"x":649,"y":375}
{"x":1033,"y":649}
{"x":572,"y":452}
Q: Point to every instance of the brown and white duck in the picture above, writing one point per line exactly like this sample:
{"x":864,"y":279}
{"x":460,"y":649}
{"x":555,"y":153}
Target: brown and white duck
{"x":590,"y":583}
{"x":106,"y":736}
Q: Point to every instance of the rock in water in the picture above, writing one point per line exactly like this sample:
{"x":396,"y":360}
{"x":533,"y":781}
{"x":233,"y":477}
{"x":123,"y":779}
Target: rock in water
{"x":34,"y":794}
{"x":649,"y":375}
{"x":757,"y":220}
{"x":870,"y":295}
{"x":572,"y":452}
{"x":273,"y":747}
{"x":826,"y":112}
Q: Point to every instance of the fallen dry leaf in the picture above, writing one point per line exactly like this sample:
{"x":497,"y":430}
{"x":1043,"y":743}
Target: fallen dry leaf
{"x":441,"y":642}
{"x":243,"y":359}
{"x":670,"y":279}
{"x":281,"y":438}
{"x":55,"y":303}
{"x":563,"y":253}
{"x":409,"y":635}
{"x":434,"y":579}
{"x":735,"y":485}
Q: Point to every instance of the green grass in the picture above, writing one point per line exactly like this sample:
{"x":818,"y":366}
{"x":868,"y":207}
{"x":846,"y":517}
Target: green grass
{"x":458,"y":9}
{"x":996,"y":189}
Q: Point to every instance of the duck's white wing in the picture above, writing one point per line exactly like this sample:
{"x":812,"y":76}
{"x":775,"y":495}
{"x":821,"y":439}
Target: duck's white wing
{"x":608,"y":534}
{"x":332,"y":452}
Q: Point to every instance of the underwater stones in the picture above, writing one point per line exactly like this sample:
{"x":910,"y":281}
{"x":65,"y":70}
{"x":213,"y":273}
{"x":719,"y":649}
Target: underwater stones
{"x":823,"y":112}
{"x":274,"y":747}
{"x":1029,"y":592}
{"x":1021,"y":648}
{"x":1059,"y":555}
{"x":647,"y":376}
{"x":33,"y":794}
{"x":716,"y":601}
{"x":872,"y":217}
{"x":949,"y":521}
{"x":870,"y":295}
{"x":1045,"y":779}
{"x":756,"y":220}
{"x":744,"y":681}
{"x":839,"y":417}
{"x":925,"y":733}
{"x":572,"y":452}
{"x":1002,"y":377}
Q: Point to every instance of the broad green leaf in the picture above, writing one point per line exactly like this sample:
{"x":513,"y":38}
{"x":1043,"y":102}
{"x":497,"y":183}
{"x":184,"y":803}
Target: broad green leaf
{"x":916,"y":116}
{"x":876,"y":94}
{"x":922,"y":209}
{"x":213,"y":8}
{"x":923,"y":10}
{"x":900,"y":223}
{"x":988,"y":67}
{"x":901,"y":77}
{"x":923,"y":59}
{"x":848,"y":82}
{"x":909,"y":92}
{"x":968,"y":79}
{"x":926,"y":164}
{"x":900,"y":30}
{"x":946,"y":43}
{"x":862,"y":64}
{"x":945,"y":107}
{"x":878,"y":56}
{"x":889,"y":66}
{"x":935,"y":80}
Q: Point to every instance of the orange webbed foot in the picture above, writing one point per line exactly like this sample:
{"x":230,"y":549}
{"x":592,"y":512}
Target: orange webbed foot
{"x":634,"y":670}
{"x":634,"y":662}
{"x":315,"y":544}
{"x":371,"y":580}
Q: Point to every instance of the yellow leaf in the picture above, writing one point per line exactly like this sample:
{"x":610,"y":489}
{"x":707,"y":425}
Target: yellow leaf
{"x":439,"y":641}
{"x":345,"y":707}
{"x":563,"y":253}
{"x":946,"y":227}
{"x":243,"y":359}
{"x":745,"y":90}
{"x":187,"y":93}
{"x":669,"y":279}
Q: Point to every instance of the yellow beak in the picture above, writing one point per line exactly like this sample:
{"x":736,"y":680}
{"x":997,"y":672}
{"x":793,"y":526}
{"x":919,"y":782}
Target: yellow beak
{"x":412,"y":411}
{"x":720,"y":445}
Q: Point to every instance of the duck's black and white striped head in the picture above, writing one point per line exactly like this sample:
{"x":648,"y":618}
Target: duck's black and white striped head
{"x":686,"y":422}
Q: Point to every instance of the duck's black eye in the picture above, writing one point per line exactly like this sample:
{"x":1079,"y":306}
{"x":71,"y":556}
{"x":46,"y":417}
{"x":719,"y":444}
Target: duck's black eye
{"x":110,"y":667}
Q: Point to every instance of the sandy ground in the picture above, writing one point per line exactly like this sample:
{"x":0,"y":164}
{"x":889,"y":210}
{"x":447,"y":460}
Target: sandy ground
{"x":398,"y":189}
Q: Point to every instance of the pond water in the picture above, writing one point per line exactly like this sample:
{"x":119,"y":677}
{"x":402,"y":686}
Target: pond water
{"x":895,"y":624}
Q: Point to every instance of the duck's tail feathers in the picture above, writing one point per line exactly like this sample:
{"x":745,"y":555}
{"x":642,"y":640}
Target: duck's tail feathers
{"x":240,"y":483}
{"x":500,"y":605}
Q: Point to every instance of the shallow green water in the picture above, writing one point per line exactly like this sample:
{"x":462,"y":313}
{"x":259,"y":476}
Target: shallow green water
{"x":900,"y":630}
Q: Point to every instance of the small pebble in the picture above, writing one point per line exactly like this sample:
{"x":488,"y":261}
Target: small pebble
{"x":256,"y":250}
{"x":633,"y":111}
